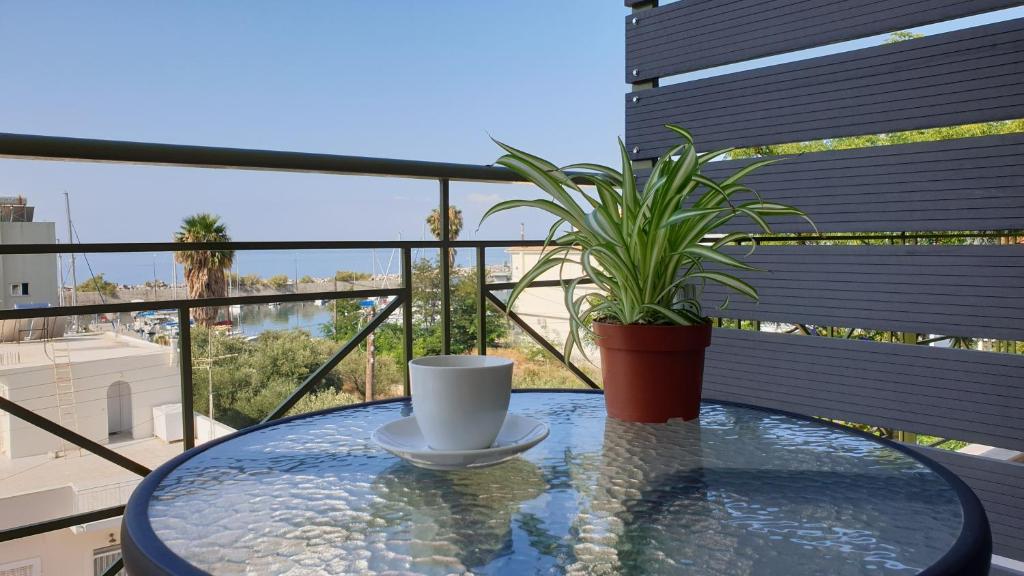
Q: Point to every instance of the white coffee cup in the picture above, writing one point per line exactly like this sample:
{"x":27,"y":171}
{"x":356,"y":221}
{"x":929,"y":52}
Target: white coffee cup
{"x":460,"y":402}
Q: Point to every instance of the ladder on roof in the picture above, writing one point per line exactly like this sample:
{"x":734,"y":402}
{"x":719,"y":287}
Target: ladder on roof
{"x":63,"y":380}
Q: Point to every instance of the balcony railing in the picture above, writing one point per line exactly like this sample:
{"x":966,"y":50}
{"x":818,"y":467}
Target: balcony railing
{"x":74,"y":149}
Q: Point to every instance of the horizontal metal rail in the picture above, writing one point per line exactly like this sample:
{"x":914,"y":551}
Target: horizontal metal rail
{"x":271,"y":245}
{"x":84,"y":309}
{"x":129,"y":247}
{"x":534,"y":284}
{"x":36,"y":147}
{"x":91,"y":150}
{"x":60,"y":523}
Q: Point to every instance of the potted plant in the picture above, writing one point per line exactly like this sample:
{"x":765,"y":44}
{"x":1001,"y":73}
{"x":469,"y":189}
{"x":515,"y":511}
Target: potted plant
{"x":645,"y":250}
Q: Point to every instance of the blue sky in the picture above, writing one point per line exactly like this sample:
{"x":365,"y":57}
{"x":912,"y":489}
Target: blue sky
{"x":412,"y":79}
{"x":402,"y":79}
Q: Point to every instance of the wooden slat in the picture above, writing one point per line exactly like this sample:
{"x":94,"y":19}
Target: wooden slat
{"x":961,"y":77}
{"x":962,"y":394}
{"x":975,"y":291}
{"x":951,"y":185}
{"x":1000,"y":487}
{"x":697,"y":34}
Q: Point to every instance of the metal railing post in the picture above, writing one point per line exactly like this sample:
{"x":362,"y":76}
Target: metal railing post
{"x":445,"y":262}
{"x":188,"y":423}
{"x":481,"y":300}
{"x":406,"y":316}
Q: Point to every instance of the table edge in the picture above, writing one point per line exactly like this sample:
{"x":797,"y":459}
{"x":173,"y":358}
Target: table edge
{"x":970,"y":553}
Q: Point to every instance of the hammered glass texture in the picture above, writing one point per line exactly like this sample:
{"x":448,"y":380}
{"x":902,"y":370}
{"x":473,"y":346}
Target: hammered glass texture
{"x":741,"y":491}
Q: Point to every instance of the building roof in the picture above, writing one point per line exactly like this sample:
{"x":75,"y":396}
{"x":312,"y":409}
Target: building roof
{"x":84,"y":471}
{"x":82,"y":347}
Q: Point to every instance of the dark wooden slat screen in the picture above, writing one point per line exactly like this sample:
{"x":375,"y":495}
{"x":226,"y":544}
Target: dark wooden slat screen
{"x":1000,"y":487}
{"x":696,"y":34}
{"x":972,"y":184}
{"x":960,"y":77}
{"x":952,"y":185}
{"x":963,"y":394}
{"x":975,"y":291}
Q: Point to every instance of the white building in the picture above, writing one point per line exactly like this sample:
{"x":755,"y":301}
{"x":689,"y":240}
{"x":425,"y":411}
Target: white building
{"x":26,"y":278}
{"x":126,"y":394}
{"x":543,"y":307}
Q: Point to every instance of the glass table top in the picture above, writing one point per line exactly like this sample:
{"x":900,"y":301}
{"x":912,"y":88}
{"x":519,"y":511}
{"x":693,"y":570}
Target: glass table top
{"x":740,"y":491}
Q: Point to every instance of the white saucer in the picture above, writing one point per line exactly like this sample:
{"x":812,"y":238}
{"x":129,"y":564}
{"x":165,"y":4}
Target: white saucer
{"x":403,"y":439}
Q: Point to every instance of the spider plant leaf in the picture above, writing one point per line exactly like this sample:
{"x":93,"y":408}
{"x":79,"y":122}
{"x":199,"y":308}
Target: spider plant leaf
{"x":681,"y":317}
{"x":541,"y":163}
{"x":698,"y":252}
{"x":757,"y":218}
{"x":573,"y":305}
{"x":731,"y":238}
{"x":546,"y":262}
{"x":689,"y":213}
{"x":742,"y":172}
{"x":612,"y":174}
{"x":545,"y":205}
{"x":729,"y":281}
{"x":552,"y":231}
{"x":630,"y":201}
{"x":597,"y":222}
{"x":706,"y":157}
{"x":775,"y":209}
{"x":681,"y":131}
{"x":715,"y":188}
{"x":543,"y":180}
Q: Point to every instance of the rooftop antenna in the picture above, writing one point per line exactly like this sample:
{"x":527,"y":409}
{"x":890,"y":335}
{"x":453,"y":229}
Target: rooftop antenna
{"x":522,"y":230}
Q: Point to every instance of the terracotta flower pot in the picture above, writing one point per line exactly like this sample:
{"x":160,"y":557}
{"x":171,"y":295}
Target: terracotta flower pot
{"x":652,"y":373}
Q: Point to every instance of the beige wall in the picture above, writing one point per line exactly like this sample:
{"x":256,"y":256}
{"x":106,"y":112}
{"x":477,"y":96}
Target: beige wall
{"x":153,"y":379}
{"x":39,"y":270}
{"x":36,"y":506}
{"x":543,"y":308}
{"x":60,"y":553}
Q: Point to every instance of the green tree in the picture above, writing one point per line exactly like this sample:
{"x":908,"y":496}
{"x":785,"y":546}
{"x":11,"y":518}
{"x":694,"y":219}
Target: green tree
{"x":349,"y":276}
{"x":346,"y":318}
{"x":884,"y":139}
{"x":428,"y":333}
{"x":98,"y":284}
{"x":204,"y":269}
{"x":454,"y":228}
{"x":277,"y":281}
{"x":902,"y":36}
{"x":426,"y":304}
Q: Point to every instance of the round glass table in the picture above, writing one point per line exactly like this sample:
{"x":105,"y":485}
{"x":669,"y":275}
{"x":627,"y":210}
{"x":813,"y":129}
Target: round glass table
{"x":742,"y":490}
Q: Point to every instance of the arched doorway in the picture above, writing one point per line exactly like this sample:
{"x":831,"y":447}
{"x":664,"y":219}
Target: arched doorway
{"x":119,"y":409}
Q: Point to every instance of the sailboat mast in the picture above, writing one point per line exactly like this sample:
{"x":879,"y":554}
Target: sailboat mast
{"x":71,"y":240}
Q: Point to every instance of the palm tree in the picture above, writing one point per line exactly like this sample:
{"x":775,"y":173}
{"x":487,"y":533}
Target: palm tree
{"x":454,"y":227}
{"x":204,"y":269}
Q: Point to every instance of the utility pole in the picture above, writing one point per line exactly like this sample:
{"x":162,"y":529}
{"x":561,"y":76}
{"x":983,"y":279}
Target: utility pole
{"x":208,"y":361}
{"x":371,"y":350}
